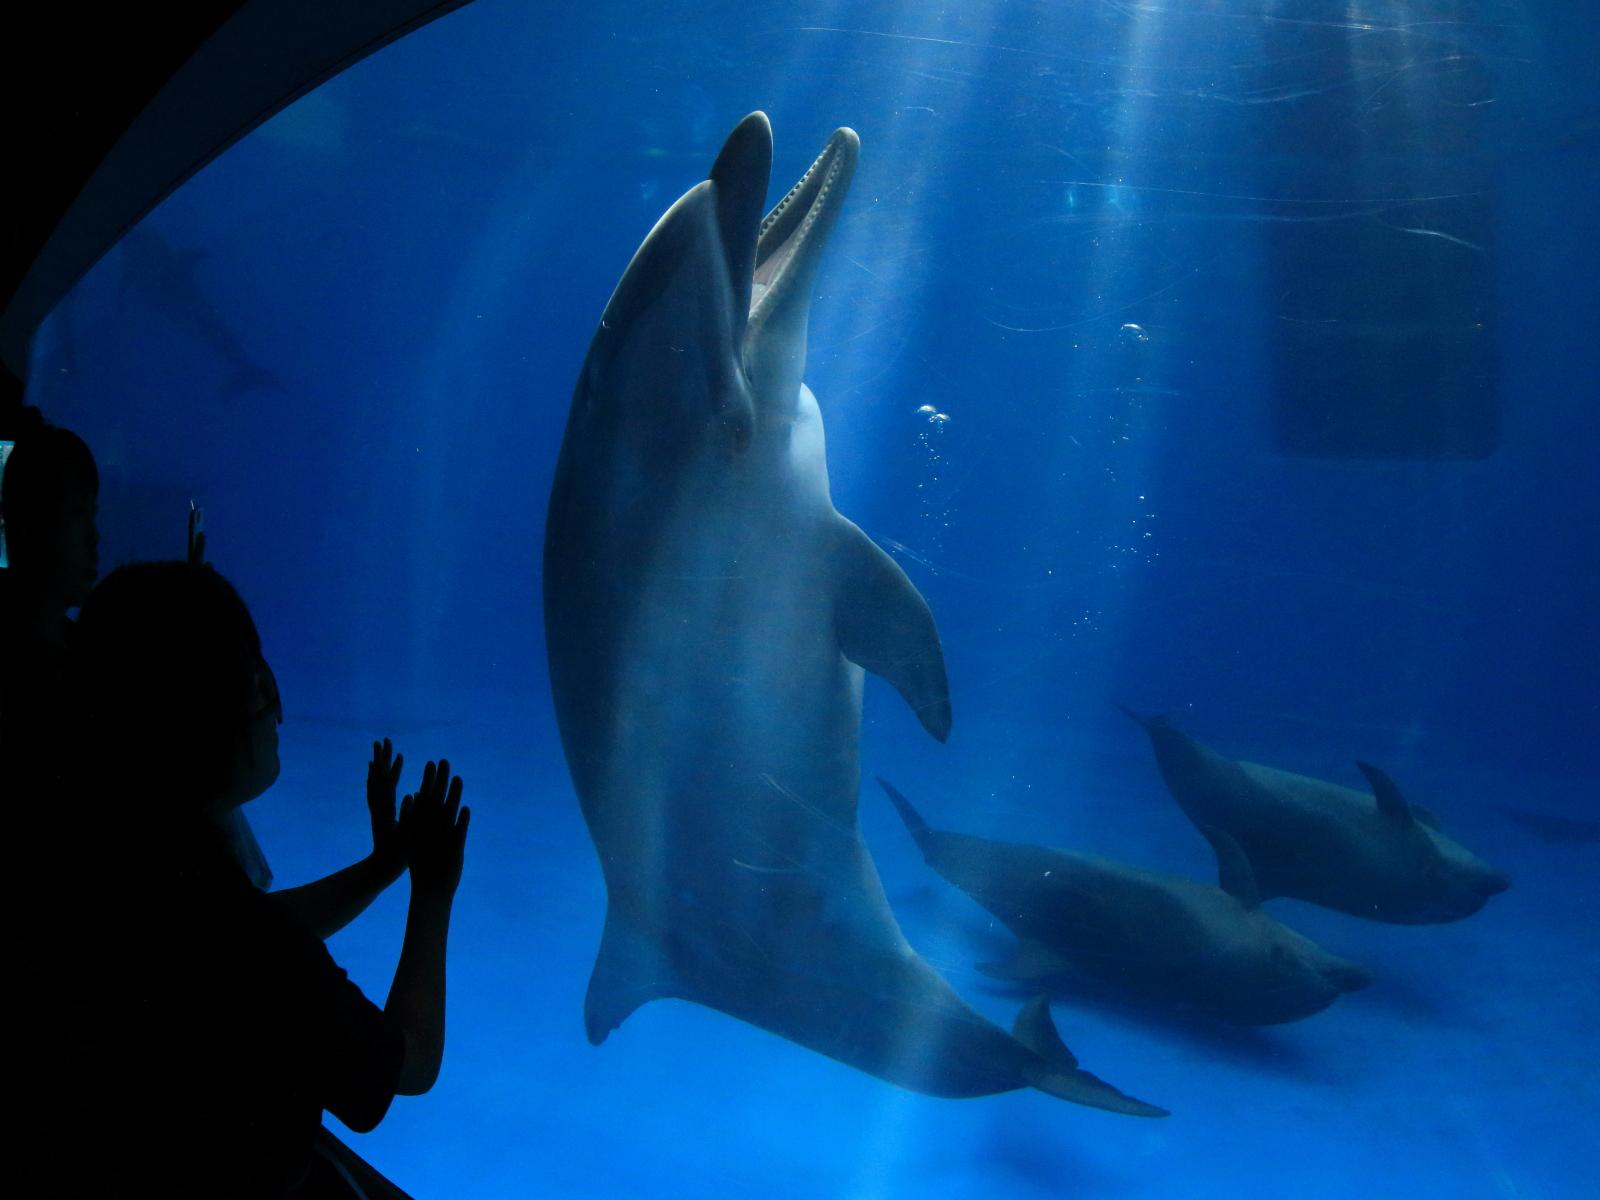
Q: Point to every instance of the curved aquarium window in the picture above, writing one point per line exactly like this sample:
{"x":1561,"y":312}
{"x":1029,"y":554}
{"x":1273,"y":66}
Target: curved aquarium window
{"x":1145,"y":750}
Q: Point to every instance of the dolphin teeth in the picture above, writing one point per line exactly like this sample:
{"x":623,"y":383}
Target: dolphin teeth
{"x":771,"y":268}
{"x":782,"y":206}
{"x":784,"y":230}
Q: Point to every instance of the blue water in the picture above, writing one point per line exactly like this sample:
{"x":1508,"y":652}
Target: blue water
{"x":353,"y":340}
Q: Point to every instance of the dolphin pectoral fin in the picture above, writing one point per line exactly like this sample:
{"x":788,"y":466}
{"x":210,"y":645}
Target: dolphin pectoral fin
{"x":1032,"y":963}
{"x":1235,"y":875}
{"x":1390,"y":802}
{"x":630,"y":971}
{"x":885,"y":626}
{"x":1058,"y":1073}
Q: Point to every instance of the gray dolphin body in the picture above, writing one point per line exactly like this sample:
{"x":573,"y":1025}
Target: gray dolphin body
{"x":1155,"y":937}
{"x":708,"y":615}
{"x":1371,"y":855}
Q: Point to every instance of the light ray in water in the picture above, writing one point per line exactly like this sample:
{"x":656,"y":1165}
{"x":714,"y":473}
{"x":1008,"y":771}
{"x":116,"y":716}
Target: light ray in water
{"x":1439,"y":233}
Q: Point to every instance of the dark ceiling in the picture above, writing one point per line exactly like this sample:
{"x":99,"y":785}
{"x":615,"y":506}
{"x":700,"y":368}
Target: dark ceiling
{"x":109,"y":107}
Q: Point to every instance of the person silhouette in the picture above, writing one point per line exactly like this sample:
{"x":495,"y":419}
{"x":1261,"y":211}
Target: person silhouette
{"x":49,"y":495}
{"x":204,"y":1025}
{"x":328,"y":904}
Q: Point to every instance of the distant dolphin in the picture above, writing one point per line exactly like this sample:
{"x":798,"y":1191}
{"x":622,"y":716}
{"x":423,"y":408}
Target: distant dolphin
{"x":1549,"y":828}
{"x":1372,"y":856}
{"x":1154,"y":937}
{"x":707,"y":616}
{"x":166,"y":277}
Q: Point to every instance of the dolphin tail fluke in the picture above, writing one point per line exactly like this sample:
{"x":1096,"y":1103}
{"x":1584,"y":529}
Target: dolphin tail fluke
{"x":885,"y":626}
{"x":629,"y":972}
{"x":1035,"y":1029}
{"x":1058,"y":1073}
{"x":913,"y":819}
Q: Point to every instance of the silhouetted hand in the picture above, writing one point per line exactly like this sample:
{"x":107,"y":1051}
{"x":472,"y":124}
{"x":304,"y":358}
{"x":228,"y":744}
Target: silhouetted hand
{"x":434,"y":825}
{"x":389,"y":848}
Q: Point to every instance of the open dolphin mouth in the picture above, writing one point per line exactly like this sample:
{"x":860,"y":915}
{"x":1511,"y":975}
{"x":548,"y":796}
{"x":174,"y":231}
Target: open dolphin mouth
{"x":793,"y":233}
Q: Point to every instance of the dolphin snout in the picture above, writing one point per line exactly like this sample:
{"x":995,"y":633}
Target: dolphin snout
{"x":1347,"y":976}
{"x":1494,"y":882}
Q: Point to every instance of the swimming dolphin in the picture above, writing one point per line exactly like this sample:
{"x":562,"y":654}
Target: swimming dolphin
{"x":1373,"y":856}
{"x":1155,"y":937}
{"x":708,"y":615}
{"x":166,"y":277}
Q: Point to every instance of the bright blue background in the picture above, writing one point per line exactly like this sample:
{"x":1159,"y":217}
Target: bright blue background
{"x":415,"y":256}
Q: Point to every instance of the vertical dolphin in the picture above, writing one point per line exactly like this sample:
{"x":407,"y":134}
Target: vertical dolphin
{"x":708,"y":616}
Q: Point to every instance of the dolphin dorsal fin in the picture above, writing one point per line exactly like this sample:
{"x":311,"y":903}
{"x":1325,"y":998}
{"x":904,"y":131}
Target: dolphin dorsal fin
{"x":1235,"y":875}
{"x":884,"y":625}
{"x":1390,"y":802}
{"x":1035,"y":1030}
{"x":918,"y":827}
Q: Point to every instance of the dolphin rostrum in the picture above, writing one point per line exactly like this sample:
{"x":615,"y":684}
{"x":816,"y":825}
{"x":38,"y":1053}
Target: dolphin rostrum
{"x":1149,"y":936}
{"x":1372,"y":855}
{"x":708,"y":615}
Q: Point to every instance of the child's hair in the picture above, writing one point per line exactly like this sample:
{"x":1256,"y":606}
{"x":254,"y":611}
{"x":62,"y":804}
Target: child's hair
{"x":166,"y":655}
{"x":45,"y":461}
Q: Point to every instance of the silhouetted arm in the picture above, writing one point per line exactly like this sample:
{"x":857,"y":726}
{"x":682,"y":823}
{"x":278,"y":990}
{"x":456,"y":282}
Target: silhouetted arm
{"x":327,"y":905}
{"x":416,"y":998}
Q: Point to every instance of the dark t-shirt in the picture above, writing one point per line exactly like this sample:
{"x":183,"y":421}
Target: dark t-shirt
{"x":34,"y":714}
{"x":211,"y":1032}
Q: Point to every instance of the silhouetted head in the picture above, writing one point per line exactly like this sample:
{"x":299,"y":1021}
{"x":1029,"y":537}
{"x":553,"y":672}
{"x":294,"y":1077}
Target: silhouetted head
{"x":175,"y":692}
{"x":49,"y":497}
